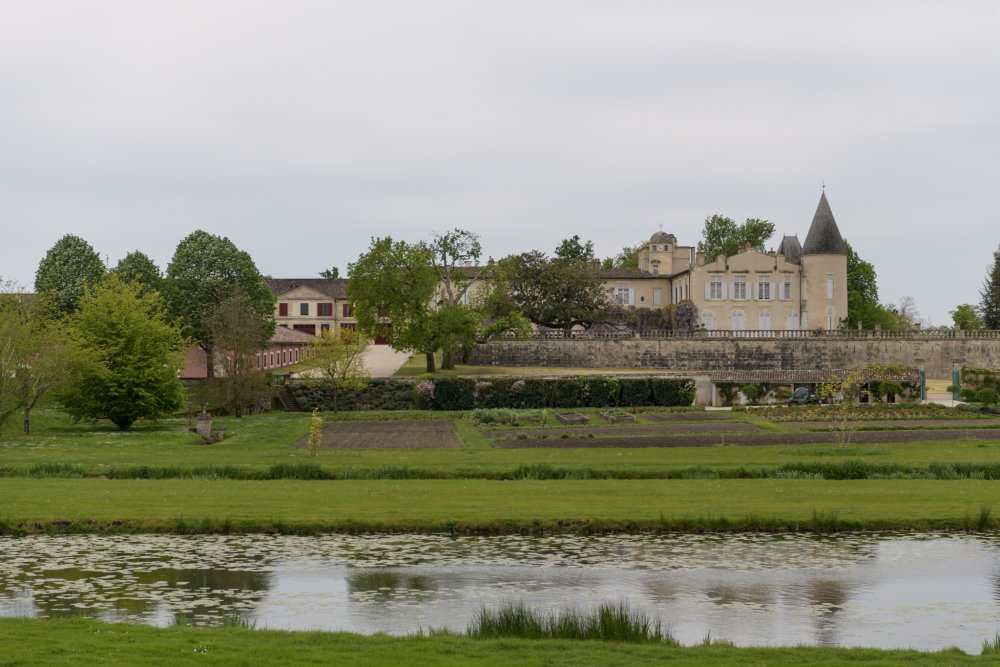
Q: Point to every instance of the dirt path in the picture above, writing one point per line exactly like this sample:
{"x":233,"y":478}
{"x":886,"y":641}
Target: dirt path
{"x":902,"y":423}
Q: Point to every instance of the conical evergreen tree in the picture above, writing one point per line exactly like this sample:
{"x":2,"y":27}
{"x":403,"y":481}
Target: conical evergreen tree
{"x":990,"y":304}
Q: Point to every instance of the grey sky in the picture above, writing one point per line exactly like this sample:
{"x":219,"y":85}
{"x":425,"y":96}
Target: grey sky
{"x":300,"y":129}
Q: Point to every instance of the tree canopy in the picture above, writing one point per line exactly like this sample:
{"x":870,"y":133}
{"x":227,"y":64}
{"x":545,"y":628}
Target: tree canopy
{"x":68,"y":270}
{"x":573,"y":249}
{"x":205,"y":270}
{"x":331,"y":274}
{"x":989,"y":305}
{"x":966,"y":317}
{"x":130,"y":357}
{"x":395,"y":282}
{"x":628,"y":258}
{"x":339,"y":359}
{"x":722,"y":236}
{"x":239,"y":333}
{"x":138,"y":267}
{"x":862,"y":294}
{"x":557,"y":293}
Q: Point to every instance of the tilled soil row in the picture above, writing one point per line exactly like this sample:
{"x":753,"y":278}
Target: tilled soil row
{"x":688,"y":416}
{"x":388,"y":435}
{"x":741,"y":439}
{"x":636,"y":429}
{"x":902,"y":423}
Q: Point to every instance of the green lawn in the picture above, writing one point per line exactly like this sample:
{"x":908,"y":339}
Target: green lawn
{"x":494,"y":506}
{"x":257,"y":442}
{"x":85,"y":642}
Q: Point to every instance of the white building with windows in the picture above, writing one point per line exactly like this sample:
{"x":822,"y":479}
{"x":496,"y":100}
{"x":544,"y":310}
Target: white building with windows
{"x":797,"y":286}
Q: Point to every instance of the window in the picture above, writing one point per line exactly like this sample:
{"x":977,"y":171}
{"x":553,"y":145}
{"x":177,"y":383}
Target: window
{"x":303,"y":309}
{"x":324,"y":327}
{"x":624,"y":294}
{"x":764,"y":321}
{"x":764,"y":290}
{"x":708,"y":319}
{"x":792,"y":322}
{"x":348,"y":310}
{"x":786,"y":289}
{"x":655,"y":247}
{"x":656,"y":268}
{"x":656,"y":296}
{"x":740,"y":290}
{"x":272,"y":360}
{"x":324,"y":309}
{"x":829,"y":319}
{"x":282,"y":310}
{"x":715,"y":289}
{"x":283,"y":358}
{"x":736,"y":320}
{"x":829,"y":286}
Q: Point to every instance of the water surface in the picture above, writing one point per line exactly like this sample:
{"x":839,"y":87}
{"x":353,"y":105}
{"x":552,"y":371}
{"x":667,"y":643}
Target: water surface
{"x":924,"y":591}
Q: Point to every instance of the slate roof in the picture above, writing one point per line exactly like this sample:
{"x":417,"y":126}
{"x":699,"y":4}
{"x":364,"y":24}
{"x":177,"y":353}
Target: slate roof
{"x":627,"y":274}
{"x":790,"y":248}
{"x":824,"y":238}
{"x":291,"y":336}
{"x":335,"y":288}
{"x":812,"y":376}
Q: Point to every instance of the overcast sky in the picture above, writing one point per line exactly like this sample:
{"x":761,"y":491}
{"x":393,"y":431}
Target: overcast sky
{"x":301,"y":129}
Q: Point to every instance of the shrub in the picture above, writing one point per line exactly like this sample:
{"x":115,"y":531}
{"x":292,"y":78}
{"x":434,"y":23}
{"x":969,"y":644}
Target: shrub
{"x":670,"y":392}
{"x":454,"y":393}
{"x":499,"y":393}
{"x":567,"y":392}
{"x":752,"y":392}
{"x":633,"y":392}
{"x":987,"y":396}
{"x":602,"y":392}
{"x":969,"y":395}
{"x":423,"y":394}
{"x":536,"y":393}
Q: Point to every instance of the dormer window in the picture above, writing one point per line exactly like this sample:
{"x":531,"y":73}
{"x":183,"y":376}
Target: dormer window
{"x":655,"y":268}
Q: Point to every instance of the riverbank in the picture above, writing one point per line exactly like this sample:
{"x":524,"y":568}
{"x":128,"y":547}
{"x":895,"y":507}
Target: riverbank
{"x":493,"y":507}
{"x":82,"y":641}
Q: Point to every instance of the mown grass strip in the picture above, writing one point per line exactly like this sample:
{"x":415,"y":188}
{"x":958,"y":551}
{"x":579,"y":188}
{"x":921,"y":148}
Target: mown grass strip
{"x":490,"y":507}
{"x":80,"y":641}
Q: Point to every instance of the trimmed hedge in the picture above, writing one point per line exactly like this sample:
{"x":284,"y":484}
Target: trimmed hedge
{"x":463,"y":393}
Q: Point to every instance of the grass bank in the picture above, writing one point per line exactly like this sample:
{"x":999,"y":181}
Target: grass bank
{"x":492,"y":507}
{"x":84,"y":642}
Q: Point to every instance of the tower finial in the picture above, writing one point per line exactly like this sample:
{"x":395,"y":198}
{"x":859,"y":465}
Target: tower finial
{"x":661,"y":226}
{"x":824,"y":186}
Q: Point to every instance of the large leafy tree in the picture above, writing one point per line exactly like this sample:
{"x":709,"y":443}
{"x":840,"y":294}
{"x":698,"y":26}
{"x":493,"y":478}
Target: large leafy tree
{"x":35,"y":353}
{"x":130,"y":357}
{"x":239,"y":333}
{"x":556,"y":293}
{"x":989,"y":306}
{"x":138,"y":267}
{"x":205,"y":271}
{"x":966,"y":317}
{"x":628,"y":258}
{"x":457,"y":324}
{"x":67,"y":271}
{"x":392,"y":288}
{"x":573,"y":249}
{"x":862,"y":294}
{"x":722,"y":236}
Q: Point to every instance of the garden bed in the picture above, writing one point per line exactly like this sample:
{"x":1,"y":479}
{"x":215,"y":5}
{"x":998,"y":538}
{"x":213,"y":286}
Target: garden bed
{"x":572,"y":418}
{"x":416,"y":434}
{"x":743,"y":439}
{"x":637,"y":429}
{"x":623,"y":418}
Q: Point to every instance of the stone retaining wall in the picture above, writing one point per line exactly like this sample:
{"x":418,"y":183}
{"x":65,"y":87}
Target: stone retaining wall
{"x":716,"y":354}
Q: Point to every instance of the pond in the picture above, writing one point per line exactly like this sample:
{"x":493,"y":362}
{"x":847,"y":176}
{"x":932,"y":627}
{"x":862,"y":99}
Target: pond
{"x":888,"y":591}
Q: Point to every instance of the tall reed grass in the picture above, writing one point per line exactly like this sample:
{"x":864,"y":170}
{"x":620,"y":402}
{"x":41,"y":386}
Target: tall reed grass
{"x":618,"y":621}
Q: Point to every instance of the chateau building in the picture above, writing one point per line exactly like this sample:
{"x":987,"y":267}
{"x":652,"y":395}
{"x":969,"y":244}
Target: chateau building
{"x":797,"y":286}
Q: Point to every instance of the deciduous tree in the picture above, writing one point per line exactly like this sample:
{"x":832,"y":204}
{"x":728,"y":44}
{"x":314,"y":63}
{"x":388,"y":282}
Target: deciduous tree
{"x":573,"y":249}
{"x":862,"y":294}
{"x":138,"y":267}
{"x":331,"y":274}
{"x":67,"y":271}
{"x":339,"y":361}
{"x":966,"y":317}
{"x":628,"y":258}
{"x":204,"y":272}
{"x":722,"y":236}
{"x":393,"y":285}
{"x":130,"y":357}
{"x":451,"y":251}
{"x":239,"y":334}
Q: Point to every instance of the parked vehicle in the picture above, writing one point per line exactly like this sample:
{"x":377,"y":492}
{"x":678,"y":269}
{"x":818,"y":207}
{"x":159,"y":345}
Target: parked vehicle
{"x":802,"y":396}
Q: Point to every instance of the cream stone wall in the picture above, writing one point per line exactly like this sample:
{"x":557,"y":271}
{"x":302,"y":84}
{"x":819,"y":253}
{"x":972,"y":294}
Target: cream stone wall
{"x":819,"y":299}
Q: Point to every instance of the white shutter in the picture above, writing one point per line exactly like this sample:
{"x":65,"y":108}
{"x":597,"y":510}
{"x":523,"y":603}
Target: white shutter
{"x":771,"y":286}
{"x":708,"y":286}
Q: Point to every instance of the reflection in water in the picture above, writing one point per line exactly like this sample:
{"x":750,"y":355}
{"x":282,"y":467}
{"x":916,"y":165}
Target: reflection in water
{"x":927,"y":591}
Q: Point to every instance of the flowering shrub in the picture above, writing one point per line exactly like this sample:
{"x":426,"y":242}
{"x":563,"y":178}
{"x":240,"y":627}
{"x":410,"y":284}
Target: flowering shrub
{"x":423,"y":394}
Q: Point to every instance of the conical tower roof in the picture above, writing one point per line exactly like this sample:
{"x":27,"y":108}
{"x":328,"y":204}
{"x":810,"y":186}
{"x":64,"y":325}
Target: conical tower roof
{"x":824,"y":238}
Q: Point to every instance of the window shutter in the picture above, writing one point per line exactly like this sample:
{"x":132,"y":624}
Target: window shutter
{"x":708,"y":287}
